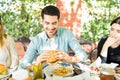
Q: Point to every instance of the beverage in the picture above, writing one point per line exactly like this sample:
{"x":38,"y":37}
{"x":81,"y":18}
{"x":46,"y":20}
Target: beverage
{"x":106,"y":77}
{"x":37,"y":71}
{"x":107,"y":73}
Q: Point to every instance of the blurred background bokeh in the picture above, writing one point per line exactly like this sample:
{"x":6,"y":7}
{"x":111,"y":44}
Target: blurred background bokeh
{"x":88,"y":19}
{"x":22,"y":17}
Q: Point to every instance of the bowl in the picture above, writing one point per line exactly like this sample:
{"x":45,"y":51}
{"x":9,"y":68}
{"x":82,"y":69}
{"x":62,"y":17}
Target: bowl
{"x":5,"y":77}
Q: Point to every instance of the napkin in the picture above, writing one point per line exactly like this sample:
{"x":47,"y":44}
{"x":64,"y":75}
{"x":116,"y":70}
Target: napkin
{"x":111,"y":65}
{"x":97,"y":62}
{"x":20,"y":74}
{"x":85,"y":67}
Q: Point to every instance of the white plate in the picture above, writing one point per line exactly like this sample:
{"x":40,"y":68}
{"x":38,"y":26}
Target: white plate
{"x":48,"y":70}
{"x":117,"y":76}
{"x":5,"y":77}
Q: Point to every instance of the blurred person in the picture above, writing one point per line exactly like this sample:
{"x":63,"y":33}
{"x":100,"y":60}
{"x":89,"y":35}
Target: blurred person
{"x":53,"y":38}
{"x":8,"y":50}
{"x":25,"y":41}
{"x":22,"y":44}
{"x":109,"y":46}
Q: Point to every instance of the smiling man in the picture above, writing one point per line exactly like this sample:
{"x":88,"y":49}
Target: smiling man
{"x":53,"y":38}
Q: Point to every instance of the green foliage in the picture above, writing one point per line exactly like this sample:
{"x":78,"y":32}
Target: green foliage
{"x":22,"y":17}
{"x":99,"y":14}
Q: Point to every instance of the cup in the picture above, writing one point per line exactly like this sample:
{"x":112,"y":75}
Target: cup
{"x":37,"y":71}
{"x":107,"y":73}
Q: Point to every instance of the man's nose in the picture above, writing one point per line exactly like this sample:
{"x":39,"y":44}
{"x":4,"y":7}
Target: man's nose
{"x":50,"y":26}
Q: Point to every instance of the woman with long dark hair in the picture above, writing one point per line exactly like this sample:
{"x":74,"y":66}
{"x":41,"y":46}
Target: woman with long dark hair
{"x":109,"y":46}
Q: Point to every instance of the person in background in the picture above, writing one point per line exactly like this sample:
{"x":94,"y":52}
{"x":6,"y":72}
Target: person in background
{"x":109,"y":46}
{"x":8,"y":50}
{"x":25,"y":41}
{"x":52,"y":38}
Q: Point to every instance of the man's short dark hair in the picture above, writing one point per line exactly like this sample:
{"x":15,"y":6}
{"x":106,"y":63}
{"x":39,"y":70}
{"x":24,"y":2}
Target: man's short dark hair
{"x":50,"y":10}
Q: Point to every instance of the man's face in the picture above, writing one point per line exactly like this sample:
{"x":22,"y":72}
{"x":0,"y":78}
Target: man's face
{"x":50,"y":24}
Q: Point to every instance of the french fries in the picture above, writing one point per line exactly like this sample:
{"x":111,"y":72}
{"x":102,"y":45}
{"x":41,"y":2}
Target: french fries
{"x":61,"y":71}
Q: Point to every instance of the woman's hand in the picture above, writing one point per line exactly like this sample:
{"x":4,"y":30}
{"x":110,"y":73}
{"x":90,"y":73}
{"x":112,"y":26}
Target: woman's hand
{"x":116,"y":43}
{"x":109,"y":42}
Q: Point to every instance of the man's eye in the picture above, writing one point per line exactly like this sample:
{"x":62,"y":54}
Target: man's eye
{"x":118,"y":31}
{"x":54,"y":23}
{"x":111,"y":29}
{"x":46,"y":23}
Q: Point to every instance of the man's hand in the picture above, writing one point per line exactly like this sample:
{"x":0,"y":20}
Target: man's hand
{"x":64,"y":57}
{"x":42,"y":58}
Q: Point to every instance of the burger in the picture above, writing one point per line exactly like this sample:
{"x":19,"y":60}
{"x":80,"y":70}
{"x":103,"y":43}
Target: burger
{"x":3,"y":69}
{"x":52,"y":59}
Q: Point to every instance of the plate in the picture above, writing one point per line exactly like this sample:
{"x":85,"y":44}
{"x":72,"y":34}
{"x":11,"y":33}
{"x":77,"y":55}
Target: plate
{"x":5,"y":77}
{"x":62,"y":67}
{"x":117,"y":76}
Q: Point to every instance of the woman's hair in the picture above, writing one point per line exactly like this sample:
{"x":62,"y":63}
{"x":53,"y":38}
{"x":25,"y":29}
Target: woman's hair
{"x":117,"y":21}
{"x":50,"y":10}
{"x":2,"y":33}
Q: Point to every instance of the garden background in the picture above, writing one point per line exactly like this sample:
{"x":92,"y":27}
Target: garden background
{"x":88,"y":19}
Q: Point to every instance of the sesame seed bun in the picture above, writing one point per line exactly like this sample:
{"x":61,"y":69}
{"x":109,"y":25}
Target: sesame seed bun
{"x":52,"y":60}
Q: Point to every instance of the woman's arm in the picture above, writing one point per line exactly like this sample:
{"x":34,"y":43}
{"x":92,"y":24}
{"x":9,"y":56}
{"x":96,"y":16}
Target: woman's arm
{"x":103,"y":46}
{"x":110,"y":41}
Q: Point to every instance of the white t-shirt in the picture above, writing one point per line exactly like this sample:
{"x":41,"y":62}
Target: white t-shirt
{"x":53,"y":45}
{"x":3,"y":57}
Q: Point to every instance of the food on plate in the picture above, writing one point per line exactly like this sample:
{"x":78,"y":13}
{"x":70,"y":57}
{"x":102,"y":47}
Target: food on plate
{"x":52,"y":60}
{"x":29,"y":78}
{"x":95,"y":68}
{"x":117,"y":73}
{"x":11,"y":79}
{"x":3,"y":69}
{"x":117,"y":69}
{"x":39,"y":79}
{"x":62,"y":71}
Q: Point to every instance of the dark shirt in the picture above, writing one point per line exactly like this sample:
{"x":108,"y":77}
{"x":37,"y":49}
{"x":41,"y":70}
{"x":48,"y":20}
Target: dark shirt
{"x":113,"y":55}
